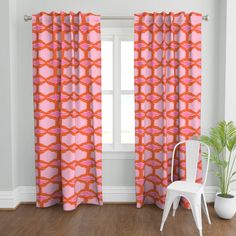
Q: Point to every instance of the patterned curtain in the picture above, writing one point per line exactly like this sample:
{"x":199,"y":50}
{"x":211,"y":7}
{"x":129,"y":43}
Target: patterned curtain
{"x":67,"y":108}
{"x":167,"y":97}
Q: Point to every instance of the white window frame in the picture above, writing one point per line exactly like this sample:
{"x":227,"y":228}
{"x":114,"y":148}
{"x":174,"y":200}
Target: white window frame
{"x":117,"y":35}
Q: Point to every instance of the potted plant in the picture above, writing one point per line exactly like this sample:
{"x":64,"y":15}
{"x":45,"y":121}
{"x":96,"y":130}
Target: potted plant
{"x":222,"y":142}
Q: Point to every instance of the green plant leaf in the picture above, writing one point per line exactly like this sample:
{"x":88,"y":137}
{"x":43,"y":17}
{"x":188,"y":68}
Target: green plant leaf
{"x":231,"y":143}
{"x":218,"y":174}
{"x":220,"y":138}
{"x":234,"y":173}
{"x":230,"y":135}
{"x":205,"y":154}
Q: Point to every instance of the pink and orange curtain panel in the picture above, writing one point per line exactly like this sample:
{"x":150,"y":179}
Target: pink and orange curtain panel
{"x":67,"y":103}
{"x":67,"y":108}
{"x":167,"y":97}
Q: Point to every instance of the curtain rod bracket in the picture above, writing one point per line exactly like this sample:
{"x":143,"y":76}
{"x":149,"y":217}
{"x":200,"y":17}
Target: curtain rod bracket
{"x":205,"y":17}
{"x":27,"y":18}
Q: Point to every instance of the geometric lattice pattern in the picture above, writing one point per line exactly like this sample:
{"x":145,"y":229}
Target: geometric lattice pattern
{"x":67,"y":108}
{"x":167,"y":98}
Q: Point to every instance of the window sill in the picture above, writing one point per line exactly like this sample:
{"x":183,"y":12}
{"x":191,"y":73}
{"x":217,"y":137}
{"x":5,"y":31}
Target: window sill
{"x":118,"y":151}
{"x":121,"y":155}
{"x":123,"y":148}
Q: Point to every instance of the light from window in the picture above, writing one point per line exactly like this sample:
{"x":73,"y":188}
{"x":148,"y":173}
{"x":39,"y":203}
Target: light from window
{"x":107,"y":118}
{"x":107,"y":94}
{"x":127,"y":92}
{"x":127,"y":65}
{"x":127,"y":118}
{"x":107,"y":65}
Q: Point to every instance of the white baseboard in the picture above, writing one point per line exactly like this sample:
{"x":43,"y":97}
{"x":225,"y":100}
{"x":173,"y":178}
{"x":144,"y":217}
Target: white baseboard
{"x":127,"y":193}
{"x":210,"y":193}
{"x":119,"y":194}
{"x":26,"y":194}
{"x":11,"y":199}
{"x":7,"y":200}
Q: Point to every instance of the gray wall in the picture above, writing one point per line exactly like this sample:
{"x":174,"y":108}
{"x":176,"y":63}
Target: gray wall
{"x":8,"y":62}
{"x":5,"y":101}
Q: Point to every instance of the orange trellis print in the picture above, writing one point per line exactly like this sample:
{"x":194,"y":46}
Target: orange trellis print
{"x":167,"y":97}
{"x":67,"y":108}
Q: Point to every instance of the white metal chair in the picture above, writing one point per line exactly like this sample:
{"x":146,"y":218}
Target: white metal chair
{"x":188,"y":189}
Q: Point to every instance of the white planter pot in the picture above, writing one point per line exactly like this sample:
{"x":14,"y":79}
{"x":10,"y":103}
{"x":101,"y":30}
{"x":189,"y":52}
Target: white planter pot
{"x":225,"y":207}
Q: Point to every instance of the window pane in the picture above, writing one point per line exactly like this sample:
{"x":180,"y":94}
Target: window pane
{"x":107,"y":118}
{"x":107,"y":65}
{"x":127,"y":65}
{"x":127,"y":119}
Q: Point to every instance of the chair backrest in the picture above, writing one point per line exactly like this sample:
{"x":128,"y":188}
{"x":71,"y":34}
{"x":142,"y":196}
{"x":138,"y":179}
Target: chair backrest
{"x":192,"y":158}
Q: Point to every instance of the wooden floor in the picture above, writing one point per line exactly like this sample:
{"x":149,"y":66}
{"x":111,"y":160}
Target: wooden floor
{"x":107,"y":220}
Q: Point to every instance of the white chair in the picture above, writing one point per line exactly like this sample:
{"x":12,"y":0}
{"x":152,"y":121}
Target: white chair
{"x":189,"y":189}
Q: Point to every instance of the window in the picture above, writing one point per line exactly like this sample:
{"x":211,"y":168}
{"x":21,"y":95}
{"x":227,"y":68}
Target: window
{"x":118,"y":118}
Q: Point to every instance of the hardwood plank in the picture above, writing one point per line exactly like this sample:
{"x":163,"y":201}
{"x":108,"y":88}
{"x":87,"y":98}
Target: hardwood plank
{"x":107,"y":220}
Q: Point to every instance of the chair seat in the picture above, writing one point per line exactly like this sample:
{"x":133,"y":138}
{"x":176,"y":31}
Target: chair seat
{"x":184,"y":186}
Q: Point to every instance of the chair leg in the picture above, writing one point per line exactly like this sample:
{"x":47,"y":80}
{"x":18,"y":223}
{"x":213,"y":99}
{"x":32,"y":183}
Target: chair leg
{"x":175,"y":205}
{"x":169,"y":200}
{"x":205,"y":209}
{"x":196,"y":210}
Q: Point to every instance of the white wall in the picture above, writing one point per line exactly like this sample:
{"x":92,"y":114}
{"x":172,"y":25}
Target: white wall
{"x":230,"y":74}
{"x":118,"y":170}
{"x":8,"y":62}
{"x":5,"y":101}
{"x":230,"y":81}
